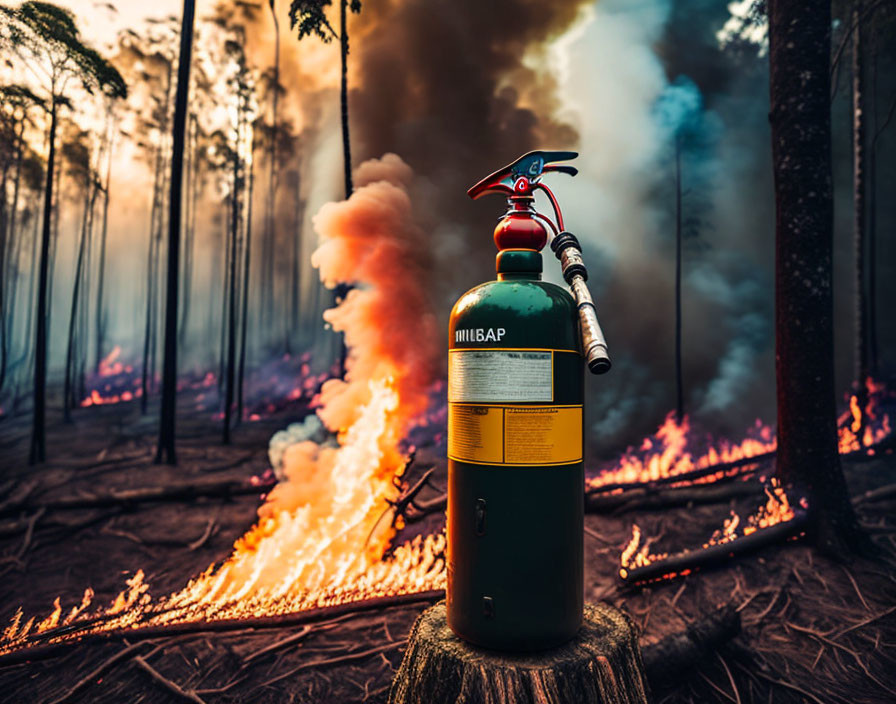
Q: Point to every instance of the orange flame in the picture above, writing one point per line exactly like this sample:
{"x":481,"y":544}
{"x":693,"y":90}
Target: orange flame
{"x":667,"y":453}
{"x":777,"y":509}
{"x":319,"y":539}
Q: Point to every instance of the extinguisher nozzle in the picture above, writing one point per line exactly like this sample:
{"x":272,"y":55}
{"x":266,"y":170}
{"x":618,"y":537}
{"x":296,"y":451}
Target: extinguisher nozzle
{"x":599,"y":365}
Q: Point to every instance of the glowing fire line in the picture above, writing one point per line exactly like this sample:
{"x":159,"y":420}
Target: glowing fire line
{"x":666,"y":456}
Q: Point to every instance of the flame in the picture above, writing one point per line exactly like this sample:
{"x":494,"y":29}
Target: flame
{"x":777,"y":509}
{"x":667,"y":453}
{"x":860,"y":429}
{"x":319,"y":539}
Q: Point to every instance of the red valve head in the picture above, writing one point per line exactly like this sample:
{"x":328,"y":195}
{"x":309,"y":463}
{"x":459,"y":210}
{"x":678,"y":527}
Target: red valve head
{"x":519,"y":229}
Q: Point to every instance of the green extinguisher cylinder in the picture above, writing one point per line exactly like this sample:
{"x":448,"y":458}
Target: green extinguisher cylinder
{"x":515,"y":461}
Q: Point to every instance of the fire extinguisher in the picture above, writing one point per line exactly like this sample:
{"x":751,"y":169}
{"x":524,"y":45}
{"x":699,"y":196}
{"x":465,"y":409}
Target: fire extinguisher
{"x":515,"y":424}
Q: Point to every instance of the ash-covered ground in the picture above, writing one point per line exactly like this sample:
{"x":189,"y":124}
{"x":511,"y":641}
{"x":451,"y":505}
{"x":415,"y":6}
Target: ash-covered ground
{"x":813,"y":629}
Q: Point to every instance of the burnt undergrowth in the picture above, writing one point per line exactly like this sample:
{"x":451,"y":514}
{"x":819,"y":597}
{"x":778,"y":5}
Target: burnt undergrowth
{"x":811,"y":629}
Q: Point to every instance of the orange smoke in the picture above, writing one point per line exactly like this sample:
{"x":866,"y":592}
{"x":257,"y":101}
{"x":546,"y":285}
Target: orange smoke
{"x":319,"y":539}
{"x":319,"y":532}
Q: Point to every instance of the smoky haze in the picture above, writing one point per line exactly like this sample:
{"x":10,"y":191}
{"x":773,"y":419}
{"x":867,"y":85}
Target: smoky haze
{"x":457,"y":90}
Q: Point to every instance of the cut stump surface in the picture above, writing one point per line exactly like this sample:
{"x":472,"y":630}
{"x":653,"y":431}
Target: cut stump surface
{"x":601,"y":665}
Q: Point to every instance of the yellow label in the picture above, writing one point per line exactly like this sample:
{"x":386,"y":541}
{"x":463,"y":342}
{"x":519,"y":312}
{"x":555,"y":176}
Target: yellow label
{"x":515,"y":435}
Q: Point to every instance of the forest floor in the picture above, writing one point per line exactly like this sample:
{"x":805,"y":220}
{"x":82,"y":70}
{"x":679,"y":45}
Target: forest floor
{"x":814,"y":630}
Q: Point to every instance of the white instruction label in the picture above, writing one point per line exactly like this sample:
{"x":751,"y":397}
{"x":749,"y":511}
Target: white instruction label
{"x":500,"y":376}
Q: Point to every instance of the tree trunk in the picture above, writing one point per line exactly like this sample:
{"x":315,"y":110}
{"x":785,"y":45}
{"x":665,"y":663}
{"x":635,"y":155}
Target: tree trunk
{"x":13,"y":244}
{"x":4,"y":346}
{"x":679,"y":389}
{"x":601,"y":665}
{"x":32,"y":302}
{"x":244,"y":323}
{"x":76,"y":290}
{"x":150,"y":290}
{"x":232,"y":288}
{"x":270,"y":228}
{"x":225,"y":290}
{"x":343,"y":99}
{"x":37,"y":451}
{"x":101,"y":274}
{"x":860,"y":375}
{"x":295,"y":265}
{"x":190,"y":226}
{"x":166,"y":450}
{"x":799,"y":44}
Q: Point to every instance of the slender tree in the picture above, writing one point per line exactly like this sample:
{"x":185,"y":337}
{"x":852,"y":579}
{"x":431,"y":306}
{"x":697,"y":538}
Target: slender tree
{"x":100,"y":309}
{"x":807,"y":458}
{"x":311,"y":18}
{"x":269,"y":235}
{"x":48,"y":42}
{"x":679,"y":386}
{"x":244,"y":314}
{"x":166,"y":450}
{"x":19,"y":100}
{"x":879,"y":126}
{"x":242,"y":89}
{"x":77,"y":154}
{"x":860,"y":359}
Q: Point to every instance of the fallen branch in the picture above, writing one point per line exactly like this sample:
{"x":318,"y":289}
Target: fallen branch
{"x":173,"y":687}
{"x":652,"y":498}
{"x":880,"y":494}
{"x":683,"y":563}
{"x":129,"y":497}
{"x":744,"y":465}
{"x":348,"y":657}
{"x":665,"y":661}
{"x":140,"y":633}
{"x":97,"y":672}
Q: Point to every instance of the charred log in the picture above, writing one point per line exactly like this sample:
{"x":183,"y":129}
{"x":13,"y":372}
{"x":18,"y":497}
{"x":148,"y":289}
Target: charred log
{"x":666,"y":660}
{"x":652,"y":498}
{"x":129,"y":497}
{"x":684,"y":563}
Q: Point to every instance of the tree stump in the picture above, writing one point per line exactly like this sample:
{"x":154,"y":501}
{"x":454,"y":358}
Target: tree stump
{"x":601,"y":665}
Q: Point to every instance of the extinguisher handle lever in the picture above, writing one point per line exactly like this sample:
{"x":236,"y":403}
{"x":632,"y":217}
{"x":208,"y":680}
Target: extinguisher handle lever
{"x":529,"y":167}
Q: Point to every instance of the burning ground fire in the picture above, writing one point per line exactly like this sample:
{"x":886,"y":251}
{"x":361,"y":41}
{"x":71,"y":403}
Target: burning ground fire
{"x":777,"y":510}
{"x":669,"y":456}
{"x":270,"y":387}
{"x":319,"y":540}
{"x":859,"y":430}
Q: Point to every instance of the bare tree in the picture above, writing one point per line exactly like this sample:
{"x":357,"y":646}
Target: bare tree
{"x":807,"y":457}
{"x":47,"y":40}
{"x":166,"y":450}
{"x":311,"y":18}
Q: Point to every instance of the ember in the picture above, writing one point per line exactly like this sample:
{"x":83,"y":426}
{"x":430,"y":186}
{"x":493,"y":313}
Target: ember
{"x":639,"y":564}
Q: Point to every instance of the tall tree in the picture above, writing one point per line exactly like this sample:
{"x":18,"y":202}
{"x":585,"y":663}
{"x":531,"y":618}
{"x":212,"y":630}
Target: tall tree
{"x":860,"y":360}
{"x":800,"y":83}
{"x":311,"y":18}
{"x":100,"y":309}
{"x":166,"y":450}
{"x":19,"y":100}
{"x":46,"y":38}
{"x":241,"y":153}
{"x":269,"y":235}
{"x":77,"y":154}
